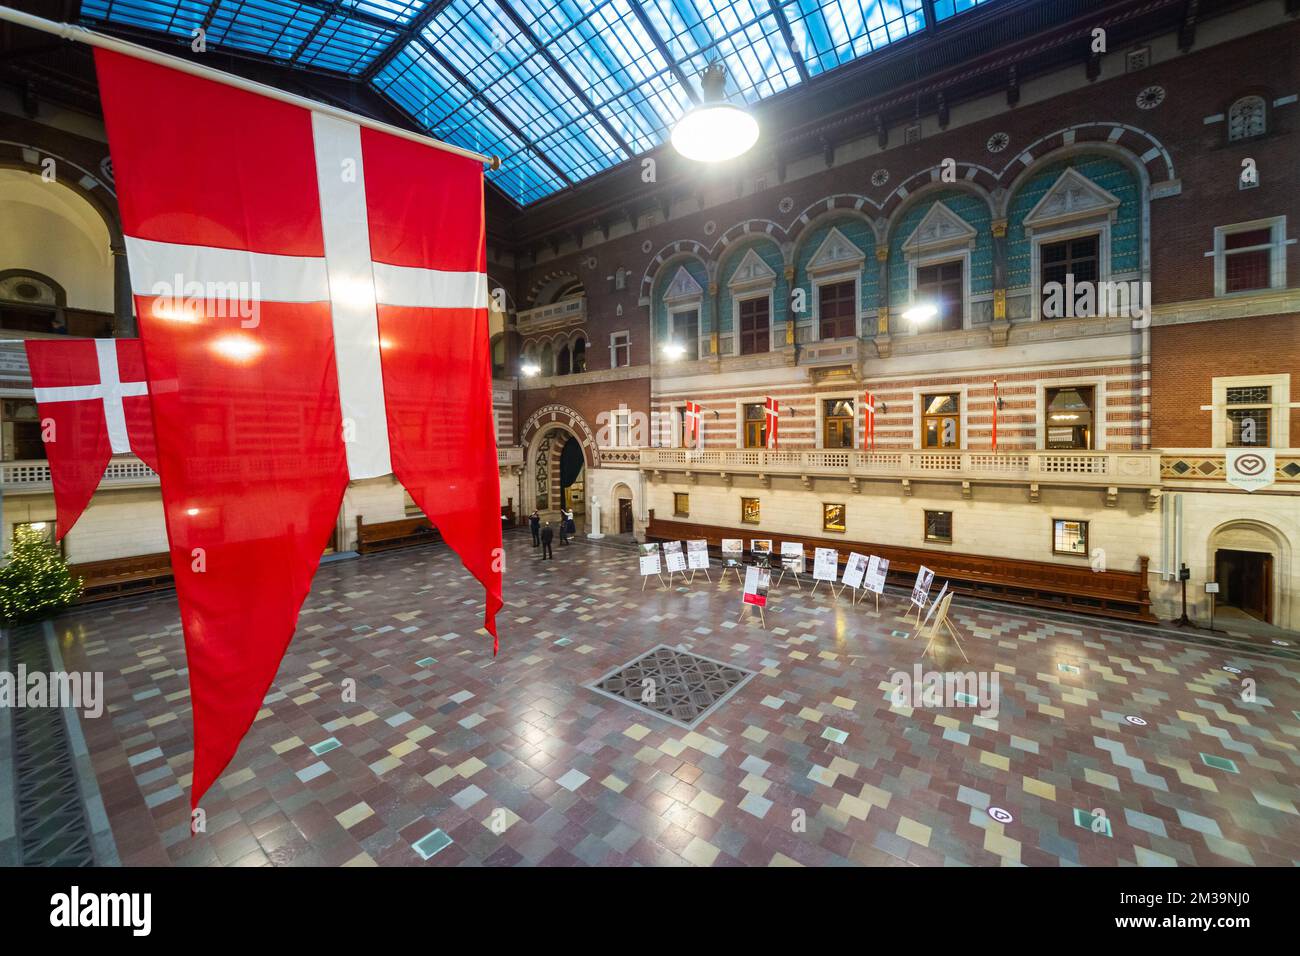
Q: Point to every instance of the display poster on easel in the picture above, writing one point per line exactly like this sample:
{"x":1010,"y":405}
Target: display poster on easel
{"x":855,"y":566}
{"x":826,"y":567}
{"x":934,"y":604}
{"x":674,"y":558}
{"x":697,"y":555}
{"x":650,"y":563}
{"x":921,"y":589}
{"x":761,"y":551}
{"x":733,"y":556}
{"x":792,"y":557}
{"x":757,"y":581}
{"x":877,"y":571}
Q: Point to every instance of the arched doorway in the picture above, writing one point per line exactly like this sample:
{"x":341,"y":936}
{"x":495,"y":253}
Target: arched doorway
{"x":558,"y":475}
{"x":1251,"y":561}
{"x":622,"y":510}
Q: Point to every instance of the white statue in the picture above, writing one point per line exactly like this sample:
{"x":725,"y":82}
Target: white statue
{"x":595,"y":518}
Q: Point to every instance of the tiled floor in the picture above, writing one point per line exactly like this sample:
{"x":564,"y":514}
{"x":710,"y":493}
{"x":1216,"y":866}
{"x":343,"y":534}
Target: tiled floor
{"x":448,"y":757}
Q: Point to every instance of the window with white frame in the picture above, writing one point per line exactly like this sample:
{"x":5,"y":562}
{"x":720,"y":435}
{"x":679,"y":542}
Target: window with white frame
{"x":755,"y":315}
{"x":1250,"y":256}
{"x":751,"y":286}
{"x":835,"y":269}
{"x":684,"y":330}
{"x":1247,"y":118}
{"x":1069,"y":229}
{"x":620,"y":349}
{"x":622,"y":428}
{"x":938,"y":257}
{"x":1251,"y":411}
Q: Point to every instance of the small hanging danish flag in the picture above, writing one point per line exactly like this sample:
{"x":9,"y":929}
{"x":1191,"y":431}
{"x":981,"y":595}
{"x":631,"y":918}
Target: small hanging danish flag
{"x":693,"y":422}
{"x":772,"y":415}
{"x":869,"y":422}
{"x":93,"y":400}
{"x":997,"y":404}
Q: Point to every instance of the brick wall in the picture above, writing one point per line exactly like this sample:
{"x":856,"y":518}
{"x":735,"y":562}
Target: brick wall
{"x":1185,"y":358}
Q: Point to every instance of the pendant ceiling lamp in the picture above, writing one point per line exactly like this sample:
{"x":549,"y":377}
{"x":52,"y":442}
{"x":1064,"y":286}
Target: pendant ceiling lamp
{"x":715,"y":130}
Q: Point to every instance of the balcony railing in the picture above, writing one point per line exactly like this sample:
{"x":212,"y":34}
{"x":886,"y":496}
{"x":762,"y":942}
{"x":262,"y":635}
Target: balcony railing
{"x":570,"y":310}
{"x":510,"y":455}
{"x":33,"y":477}
{"x":1128,"y":468}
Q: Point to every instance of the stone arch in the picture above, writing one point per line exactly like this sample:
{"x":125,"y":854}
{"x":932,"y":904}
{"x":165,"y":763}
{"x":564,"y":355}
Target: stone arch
{"x":748,"y":229}
{"x":673,"y":250}
{"x":1138,"y":148}
{"x":1251,"y":534}
{"x":620,"y":489}
{"x":566,"y":418}
{"x":820,"y":213}
{"x":895,"y":211}
{"x":544,"y":289}
{"x":99,"y":193}
{"x":970,"y":176}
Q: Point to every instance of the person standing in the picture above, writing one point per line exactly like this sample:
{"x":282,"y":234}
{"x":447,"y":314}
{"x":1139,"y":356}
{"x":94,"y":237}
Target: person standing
{"x":547,"y":536}
{"x":534,"y":524}
{"x":566,"y":525}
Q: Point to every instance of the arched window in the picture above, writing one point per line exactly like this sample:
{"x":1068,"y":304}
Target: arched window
{"x":562,"y":361}
{"x":580,"y":355}
{"x":547,"y":360}
{"x":1247,"y":118}
{"x":499,"y":358}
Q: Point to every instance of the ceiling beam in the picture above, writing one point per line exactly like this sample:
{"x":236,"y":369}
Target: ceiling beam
{"x":311,"y":35}
{"x":492,"y":108}
{"x":788,"y":35}
{"x":565,"y":78}
{"x":662,"y":47}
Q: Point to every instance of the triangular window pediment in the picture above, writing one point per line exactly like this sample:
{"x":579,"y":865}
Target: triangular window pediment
{"x":1072,"y":196}
{"x":835,"y":252}
{"x":751,"y":272}
{"x":682,"y":287}
{"x":939,"y":228}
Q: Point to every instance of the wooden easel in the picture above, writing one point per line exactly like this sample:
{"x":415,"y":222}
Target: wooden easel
{"x":819,"y":581}
{"x":761,"y":616}
{"x":794,"y":574}
{"x":646,"y":577}
{"x":706,"y":574}
{"x":918,"y":608}
{"x":941,"y":619}
{"x":734,"y":567}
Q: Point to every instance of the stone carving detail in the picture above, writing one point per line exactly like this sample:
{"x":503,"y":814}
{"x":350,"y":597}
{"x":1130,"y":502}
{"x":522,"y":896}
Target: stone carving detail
{"x":752,"y":271}
{"x":940,"y":227}
{"x":1073,"y":195}
{"x":836,"y":250}
{"x":683,"y":286}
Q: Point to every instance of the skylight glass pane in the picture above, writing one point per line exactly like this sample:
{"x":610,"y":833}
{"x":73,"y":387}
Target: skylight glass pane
{"x":177,"y":19}
{"x":268,"y":27}
{"x":741,"y":33}
{"x":830,"y":33}
{"x":345,"y":45}
{"x":943,"y":9}
{"x":420,"y":86}
{"x":398,"y":11}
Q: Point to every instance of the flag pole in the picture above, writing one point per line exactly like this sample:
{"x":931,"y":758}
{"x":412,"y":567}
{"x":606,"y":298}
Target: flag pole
{"x":79,"y":34}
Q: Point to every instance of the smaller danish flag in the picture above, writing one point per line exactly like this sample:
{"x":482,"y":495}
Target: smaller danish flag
{"x":997,"y":404}
{"x":93,"y":401}
{"x":772,"y":414}
{"x":869,"y":422}
{"x":693,"y":411}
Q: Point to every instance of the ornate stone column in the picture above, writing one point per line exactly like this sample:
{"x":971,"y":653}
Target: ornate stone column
{"x":1000,"y":329}
{"x":124,"y":326}
{"x":883,"y":341}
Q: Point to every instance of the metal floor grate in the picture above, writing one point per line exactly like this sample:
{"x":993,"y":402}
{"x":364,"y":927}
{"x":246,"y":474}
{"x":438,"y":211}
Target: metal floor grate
{"x":675,"y":685}
{"x":51,"y":820}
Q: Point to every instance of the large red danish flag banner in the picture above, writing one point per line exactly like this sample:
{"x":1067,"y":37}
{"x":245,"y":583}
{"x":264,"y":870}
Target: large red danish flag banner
{"x":312,"y":300}
{"x":94,"y":403}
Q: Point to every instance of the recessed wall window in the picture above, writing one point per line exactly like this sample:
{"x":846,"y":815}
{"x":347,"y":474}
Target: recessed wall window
{"x":1250,"y":256}
{"x":941,"y":286}
{"x":1077,"y":258}
{"x":1069,"y":536}
{"x":941,"y":420}
{"x":620,"y":349}
{"x":1069,"y":417}
{"x":836,"y":310}
{"x":622,"y":429}
{"x":755,"y":424}
{"x":837,"y":423}
{"x":755,"y":325}
{"x":1247,"y":118}
{"x":938,"y":526}
{"x":580,"y":356}
{"x":686,"y":332}
{"x":832,"y":517}
{"x":1250,"y":412}
{"x":681,"y":504}
{"x":20,"y":431}
{"x":749,"y":510}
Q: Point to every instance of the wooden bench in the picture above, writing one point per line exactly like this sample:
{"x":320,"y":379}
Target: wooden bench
{"x":387,"y":535}
{"x":508,"y":519}
{"x":1064,"y":587}
{"x":118,"y":577}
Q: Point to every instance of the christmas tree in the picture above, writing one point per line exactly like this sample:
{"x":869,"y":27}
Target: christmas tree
{"x":36,"y":582}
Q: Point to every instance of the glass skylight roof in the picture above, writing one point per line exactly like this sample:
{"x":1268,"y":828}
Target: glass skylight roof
{"x":559,"y":89}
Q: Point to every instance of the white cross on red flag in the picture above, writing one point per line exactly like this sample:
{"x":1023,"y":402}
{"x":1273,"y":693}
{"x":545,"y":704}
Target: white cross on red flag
{"x":312,"y":299}
{"x":693,"y":422}
{"x":772,"y":417}
{"x":94,"y":403}
{"x":869,"y":422}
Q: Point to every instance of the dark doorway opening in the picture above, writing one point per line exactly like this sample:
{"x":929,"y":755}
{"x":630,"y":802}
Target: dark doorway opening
{"x":571,"y":485}
{"x":625,"y":516}
{"x":1245,"y":581}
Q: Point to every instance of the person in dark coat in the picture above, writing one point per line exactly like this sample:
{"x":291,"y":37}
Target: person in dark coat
{"x":547,"y":537}
{"x":534,"y":524}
